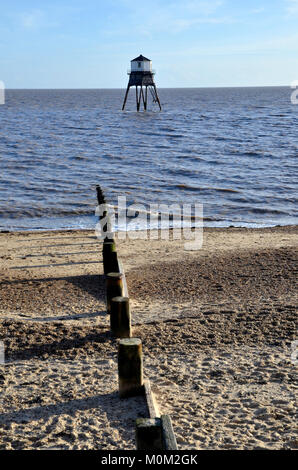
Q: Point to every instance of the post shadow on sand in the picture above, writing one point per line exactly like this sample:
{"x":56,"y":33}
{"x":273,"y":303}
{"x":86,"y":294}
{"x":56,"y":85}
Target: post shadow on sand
{"x":57,"y":255}
{"x":53,"y":237}
{"x":79,"y":316}
{"x":51,"y":265}
{"x":79,"y":341}
{"x":110,"y":404}
{"x":93,"y":284}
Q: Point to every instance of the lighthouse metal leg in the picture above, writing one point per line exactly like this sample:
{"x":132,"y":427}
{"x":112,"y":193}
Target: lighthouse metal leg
{"x":126,"y":94}
{"x":142,"y":95}
{"x":156,"y":96}
{"x":144,"y":102}
{"x":138,"y":98}
{"x":146,"y":97}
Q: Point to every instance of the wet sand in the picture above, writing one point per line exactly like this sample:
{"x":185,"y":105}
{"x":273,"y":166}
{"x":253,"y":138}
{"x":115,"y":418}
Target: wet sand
{"x":216,"y":324}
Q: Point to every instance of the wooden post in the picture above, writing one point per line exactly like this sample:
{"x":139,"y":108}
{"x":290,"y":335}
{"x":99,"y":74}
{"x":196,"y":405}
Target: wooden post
{"x":109,"y":240}
{"x":149,"y":434}
{"x":114,"y":288}
{"x":120,"y":317}
{"x":130,"y":367}
{"x":100,"y":195}
{"x":108,"y":247}
{"x":101,"y":201}
{"x":114,"y":263}
{"x":110,"y":259}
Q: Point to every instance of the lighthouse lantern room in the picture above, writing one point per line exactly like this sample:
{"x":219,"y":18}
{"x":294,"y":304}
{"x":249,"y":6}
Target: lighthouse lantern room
{"x":142,"y":77}
{"x":141,"y":64}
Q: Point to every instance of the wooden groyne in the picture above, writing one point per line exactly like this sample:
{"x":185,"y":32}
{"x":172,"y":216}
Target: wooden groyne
{"x":154,"y":432}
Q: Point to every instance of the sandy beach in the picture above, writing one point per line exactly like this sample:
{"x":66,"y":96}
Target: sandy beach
{"x":217,"y":327}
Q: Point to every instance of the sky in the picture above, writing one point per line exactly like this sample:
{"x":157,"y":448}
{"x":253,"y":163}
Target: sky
{"x":192,"y":43}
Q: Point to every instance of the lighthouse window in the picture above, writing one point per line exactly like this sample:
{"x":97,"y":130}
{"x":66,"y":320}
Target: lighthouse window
{"x":139,"y":65}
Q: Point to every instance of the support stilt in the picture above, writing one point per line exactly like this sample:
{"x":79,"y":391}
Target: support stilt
{"x":137,"y":97}
{"x":156,"y":96}
{"x":126,"y":95}
{"x":139,"y":94}
{"x":144,"y":104}
{"x":146,"y":98}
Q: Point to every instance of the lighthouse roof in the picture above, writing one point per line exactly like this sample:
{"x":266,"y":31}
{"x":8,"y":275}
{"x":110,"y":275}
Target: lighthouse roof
{"x":140,"y":59}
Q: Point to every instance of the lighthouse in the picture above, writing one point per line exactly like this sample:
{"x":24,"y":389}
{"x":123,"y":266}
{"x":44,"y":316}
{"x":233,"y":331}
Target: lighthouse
{"x":142,"y":77}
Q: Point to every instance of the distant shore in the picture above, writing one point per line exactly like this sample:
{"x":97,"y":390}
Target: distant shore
{"x":217,"y":327}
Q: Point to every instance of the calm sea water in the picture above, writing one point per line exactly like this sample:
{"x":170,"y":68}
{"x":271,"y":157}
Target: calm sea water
{"x":234,"y":150}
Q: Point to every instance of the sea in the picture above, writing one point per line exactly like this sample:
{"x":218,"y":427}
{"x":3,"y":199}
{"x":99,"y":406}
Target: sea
{"x":233,"y":150}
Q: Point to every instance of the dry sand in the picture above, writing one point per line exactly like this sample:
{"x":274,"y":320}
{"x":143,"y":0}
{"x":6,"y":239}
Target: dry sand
{"x":216,"y":324}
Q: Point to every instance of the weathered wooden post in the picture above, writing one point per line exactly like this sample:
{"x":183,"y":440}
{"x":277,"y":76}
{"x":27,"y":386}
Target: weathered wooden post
{"x":109,"y":240}
{"x":108,"y":247}
{"x":114,"y":288}
{"x":114,"y":263}
{"x":104,"y":218}
{"x":149,"y":434}
{"x":120,"y":317}
{"x":101,"y":202}
{"x":100,"y":195}
{"x":130,"y":367}
{"x":110,"y":258}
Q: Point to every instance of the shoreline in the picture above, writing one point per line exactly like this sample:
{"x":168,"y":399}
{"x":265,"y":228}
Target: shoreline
{"x":205,"y":227}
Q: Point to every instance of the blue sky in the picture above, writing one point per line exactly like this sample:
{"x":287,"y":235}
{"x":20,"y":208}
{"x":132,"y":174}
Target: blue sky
{"x":89,"y":44}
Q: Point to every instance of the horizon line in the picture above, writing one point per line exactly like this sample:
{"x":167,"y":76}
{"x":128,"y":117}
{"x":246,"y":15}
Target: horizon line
{"x":160,"y":88}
